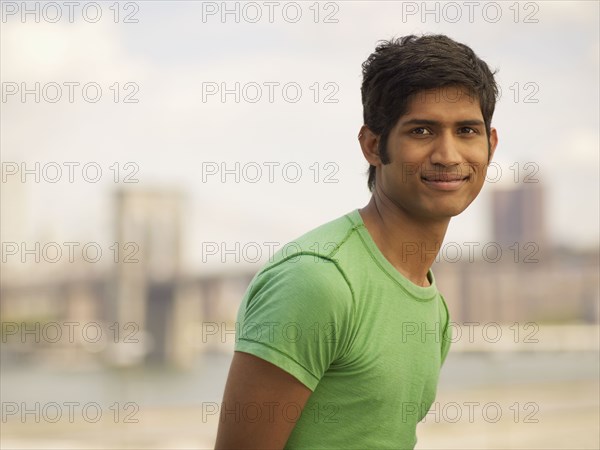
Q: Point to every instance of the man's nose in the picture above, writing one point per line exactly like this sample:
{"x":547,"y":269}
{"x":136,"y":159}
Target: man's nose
{"x":446,"y":151}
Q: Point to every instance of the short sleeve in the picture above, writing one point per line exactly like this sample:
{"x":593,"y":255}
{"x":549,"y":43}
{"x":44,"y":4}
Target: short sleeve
{"x":296,"y":315}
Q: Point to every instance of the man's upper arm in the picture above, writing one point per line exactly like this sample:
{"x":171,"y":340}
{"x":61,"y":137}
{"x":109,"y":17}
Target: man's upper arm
{"x":260,"y":406}
{"x":293,"y":323}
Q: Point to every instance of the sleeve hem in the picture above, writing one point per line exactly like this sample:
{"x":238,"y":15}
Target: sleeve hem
{"x":279,"y":359}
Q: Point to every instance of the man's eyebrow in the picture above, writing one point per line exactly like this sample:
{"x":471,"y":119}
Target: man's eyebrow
{"x":461,"y":123}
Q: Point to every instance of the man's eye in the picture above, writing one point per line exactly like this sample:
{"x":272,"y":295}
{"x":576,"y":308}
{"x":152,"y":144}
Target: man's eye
{"x":468,"y":130}
{"x":420,"y":131}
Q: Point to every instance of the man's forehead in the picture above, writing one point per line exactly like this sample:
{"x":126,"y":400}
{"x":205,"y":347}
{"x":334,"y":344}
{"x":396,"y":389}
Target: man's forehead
{"x":446,"y":94}
{"x":443,"y":102}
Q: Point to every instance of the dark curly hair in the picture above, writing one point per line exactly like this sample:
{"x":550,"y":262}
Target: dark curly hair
{"x":400,"y":68}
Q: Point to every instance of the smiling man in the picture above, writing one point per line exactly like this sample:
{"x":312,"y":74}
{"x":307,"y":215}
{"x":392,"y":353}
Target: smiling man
{"x":341,"y":337}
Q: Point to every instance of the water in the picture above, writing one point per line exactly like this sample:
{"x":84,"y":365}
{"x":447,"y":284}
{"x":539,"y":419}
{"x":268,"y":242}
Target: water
{"x":205,"y":381}
{"x":505,"y":368}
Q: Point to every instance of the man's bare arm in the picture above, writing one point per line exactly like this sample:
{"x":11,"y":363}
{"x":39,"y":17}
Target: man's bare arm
{"x":255,"y":383}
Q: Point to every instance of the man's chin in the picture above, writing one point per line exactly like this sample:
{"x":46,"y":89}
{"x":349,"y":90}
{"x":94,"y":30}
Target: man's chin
{"x":446,"y":213}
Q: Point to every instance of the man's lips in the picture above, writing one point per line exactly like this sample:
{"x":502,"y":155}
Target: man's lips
{"x":444,"y":178}
{"x":445,"y":182}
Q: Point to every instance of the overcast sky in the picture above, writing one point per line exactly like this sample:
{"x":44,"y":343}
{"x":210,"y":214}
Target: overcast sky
{"x":178,"y":53}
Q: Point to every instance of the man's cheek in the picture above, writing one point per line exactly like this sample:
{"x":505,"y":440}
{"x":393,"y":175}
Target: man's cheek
{"x":409,"y":171}
{"x":478,"y":172}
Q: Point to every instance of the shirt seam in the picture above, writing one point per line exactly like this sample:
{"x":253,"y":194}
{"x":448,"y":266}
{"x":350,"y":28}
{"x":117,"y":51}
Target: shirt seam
{"x":276,"y":350}
{"x":353,"y":308}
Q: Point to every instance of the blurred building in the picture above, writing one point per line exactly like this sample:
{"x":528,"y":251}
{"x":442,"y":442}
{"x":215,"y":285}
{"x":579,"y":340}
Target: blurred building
{"x":13,"y":208}
{"x":14,"y":218}
{"x":147,"y":276}
{"x":563,"y":287}
{"x":519,"y":276}
{"x":518,"y":215}
{"x":141,"y":305}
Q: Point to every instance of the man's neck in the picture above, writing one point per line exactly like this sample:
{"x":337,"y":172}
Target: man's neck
{"x":408,"y":243}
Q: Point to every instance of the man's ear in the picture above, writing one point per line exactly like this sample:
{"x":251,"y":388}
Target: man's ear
{"x":369,"y":143}
{"x":493,"y":143}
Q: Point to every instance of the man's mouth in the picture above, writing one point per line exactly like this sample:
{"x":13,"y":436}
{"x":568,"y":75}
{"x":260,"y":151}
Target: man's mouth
{"x":445,"y":178}
{"x":445,"y":182}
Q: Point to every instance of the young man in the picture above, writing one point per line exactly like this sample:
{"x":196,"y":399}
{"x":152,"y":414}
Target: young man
{"x":341,"y":336}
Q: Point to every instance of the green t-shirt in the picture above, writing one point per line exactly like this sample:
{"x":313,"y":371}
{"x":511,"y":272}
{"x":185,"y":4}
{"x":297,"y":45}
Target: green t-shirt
{"x":332,"y":311}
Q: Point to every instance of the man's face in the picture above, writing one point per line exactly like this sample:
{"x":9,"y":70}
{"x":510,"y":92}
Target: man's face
{"x":438,"y":153}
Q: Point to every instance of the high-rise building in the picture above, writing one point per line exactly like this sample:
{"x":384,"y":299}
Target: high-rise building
{"x":518,"y":216}
{"x":146,"y":280}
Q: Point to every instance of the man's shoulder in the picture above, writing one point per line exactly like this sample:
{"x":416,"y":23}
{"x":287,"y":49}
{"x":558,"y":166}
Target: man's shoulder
{"x":322,"y":241}
{"x":305,"y":277}
{"x":311,"y":257}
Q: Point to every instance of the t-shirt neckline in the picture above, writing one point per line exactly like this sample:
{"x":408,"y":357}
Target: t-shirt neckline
{"x":422,"y":293}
